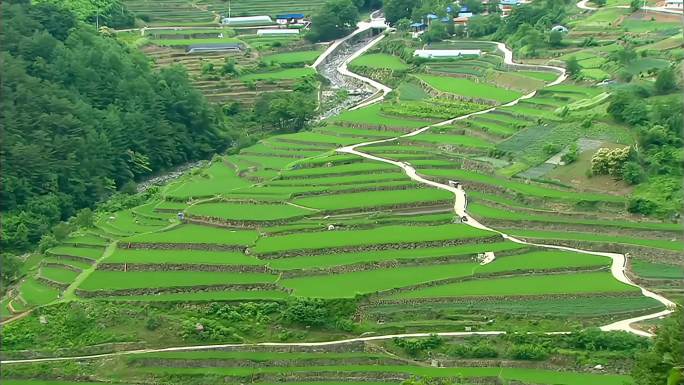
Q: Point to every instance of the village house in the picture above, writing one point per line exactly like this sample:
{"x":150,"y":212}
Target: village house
{"x":290,"y":18}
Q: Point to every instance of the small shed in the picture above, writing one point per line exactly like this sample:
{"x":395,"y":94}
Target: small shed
{"x":278,"y":32}
{"x":289,"y":18}
{"x":213,"y":47}
{"x":446,"y":53}
{"x":418,"y":26}
{"x":249,"y":20}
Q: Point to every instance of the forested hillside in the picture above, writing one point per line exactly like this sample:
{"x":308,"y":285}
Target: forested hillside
{"x":84,"y":116}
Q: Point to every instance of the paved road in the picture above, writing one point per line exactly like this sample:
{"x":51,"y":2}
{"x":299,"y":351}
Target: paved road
{"x":618,"y":260}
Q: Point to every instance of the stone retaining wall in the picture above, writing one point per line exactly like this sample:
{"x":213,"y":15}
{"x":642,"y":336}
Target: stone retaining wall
{"x":183,"y":267}
{"x":51,"y":283}
{"x":61,"y":266}
{"x":282,"y":362}
{"x":373,"y":127}
{"x":394,"y":263}
{"x":177,"y":289}
{"x":492,"y":298}
{"x":182,"y":246}
{"x":72,"y":258}
{"x":382,"y":246}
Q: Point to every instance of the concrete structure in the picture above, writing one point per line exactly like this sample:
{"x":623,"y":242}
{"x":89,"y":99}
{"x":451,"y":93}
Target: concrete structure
{"x":247,"y":20}
{"x":213,"y":47}
{"x":290,"y":18}
{"x":279,"y":32}
{"x":559,"y":28}
{"x":446,"y":53}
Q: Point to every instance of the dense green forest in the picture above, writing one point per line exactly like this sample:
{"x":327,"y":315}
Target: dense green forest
{"x":84,"y":116}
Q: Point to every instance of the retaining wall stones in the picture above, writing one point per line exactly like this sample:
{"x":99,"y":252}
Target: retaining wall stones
{"x":182,"y":246}
{"x":178,"y":289}
{"x":182,"y":267}
{"x":61,"y":266}
{"x":51,"y":283}
{"x":474,"y":300}
{"x":382,"y":246}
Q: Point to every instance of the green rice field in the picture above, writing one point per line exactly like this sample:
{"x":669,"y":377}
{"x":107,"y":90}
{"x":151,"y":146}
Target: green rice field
{"x":469,"y":88}
{"x":532,"y":285}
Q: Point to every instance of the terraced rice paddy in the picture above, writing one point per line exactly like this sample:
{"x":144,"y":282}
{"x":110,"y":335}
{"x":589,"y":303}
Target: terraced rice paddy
{"x":469,"y":88}
{"x":379,"y":60}
{"x":290,"y":219}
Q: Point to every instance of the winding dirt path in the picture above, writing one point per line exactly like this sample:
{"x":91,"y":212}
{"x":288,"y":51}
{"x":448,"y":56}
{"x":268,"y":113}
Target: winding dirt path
{"x":618,"y":260}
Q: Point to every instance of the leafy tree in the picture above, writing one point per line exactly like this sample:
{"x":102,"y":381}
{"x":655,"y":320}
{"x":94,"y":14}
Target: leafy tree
{"x":665,"y":82}
{"x":335,"y":19}
{"x":555,"y":38}
{"x":112,"y":13}
{"x":493,"y":6}
{"x":403,"y":25}
{"x":397,"y":9}
{"x":307,"y":311}
{"x":572,"y":155}
{"x":475,"y":6}
{"x":624,"y":55}
{"x":436,"y":32}
{"x":530,"y":352}
{"x":483,"y":25}
{"x":663,"y":362}
{"x":610,"y":161}
{"x":632,"y":172}
{"x":11,"y":268}
{"x":573,"y":67}
{"x":635,"y":5}
{"x":600,"y":3}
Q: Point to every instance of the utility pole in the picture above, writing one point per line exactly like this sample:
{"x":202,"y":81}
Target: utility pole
{"x":229,"y":10}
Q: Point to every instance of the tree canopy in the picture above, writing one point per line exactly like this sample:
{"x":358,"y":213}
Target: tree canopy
{"x":85,"y":115}
{"x":335,"y":19}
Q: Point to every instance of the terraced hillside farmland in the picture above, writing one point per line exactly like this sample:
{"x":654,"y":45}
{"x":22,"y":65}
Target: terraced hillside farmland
{"x":448,"y":231}
{"x":263,"y":64}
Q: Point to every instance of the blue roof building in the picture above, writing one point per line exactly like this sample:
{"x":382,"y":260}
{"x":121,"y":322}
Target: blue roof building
{"x":290,"y":16}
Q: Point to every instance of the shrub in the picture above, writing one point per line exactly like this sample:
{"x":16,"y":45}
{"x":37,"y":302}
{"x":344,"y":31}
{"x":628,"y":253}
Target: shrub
{"x":572,"y":154}
{"x":608,"y":161}
{"x":528,"y":352}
